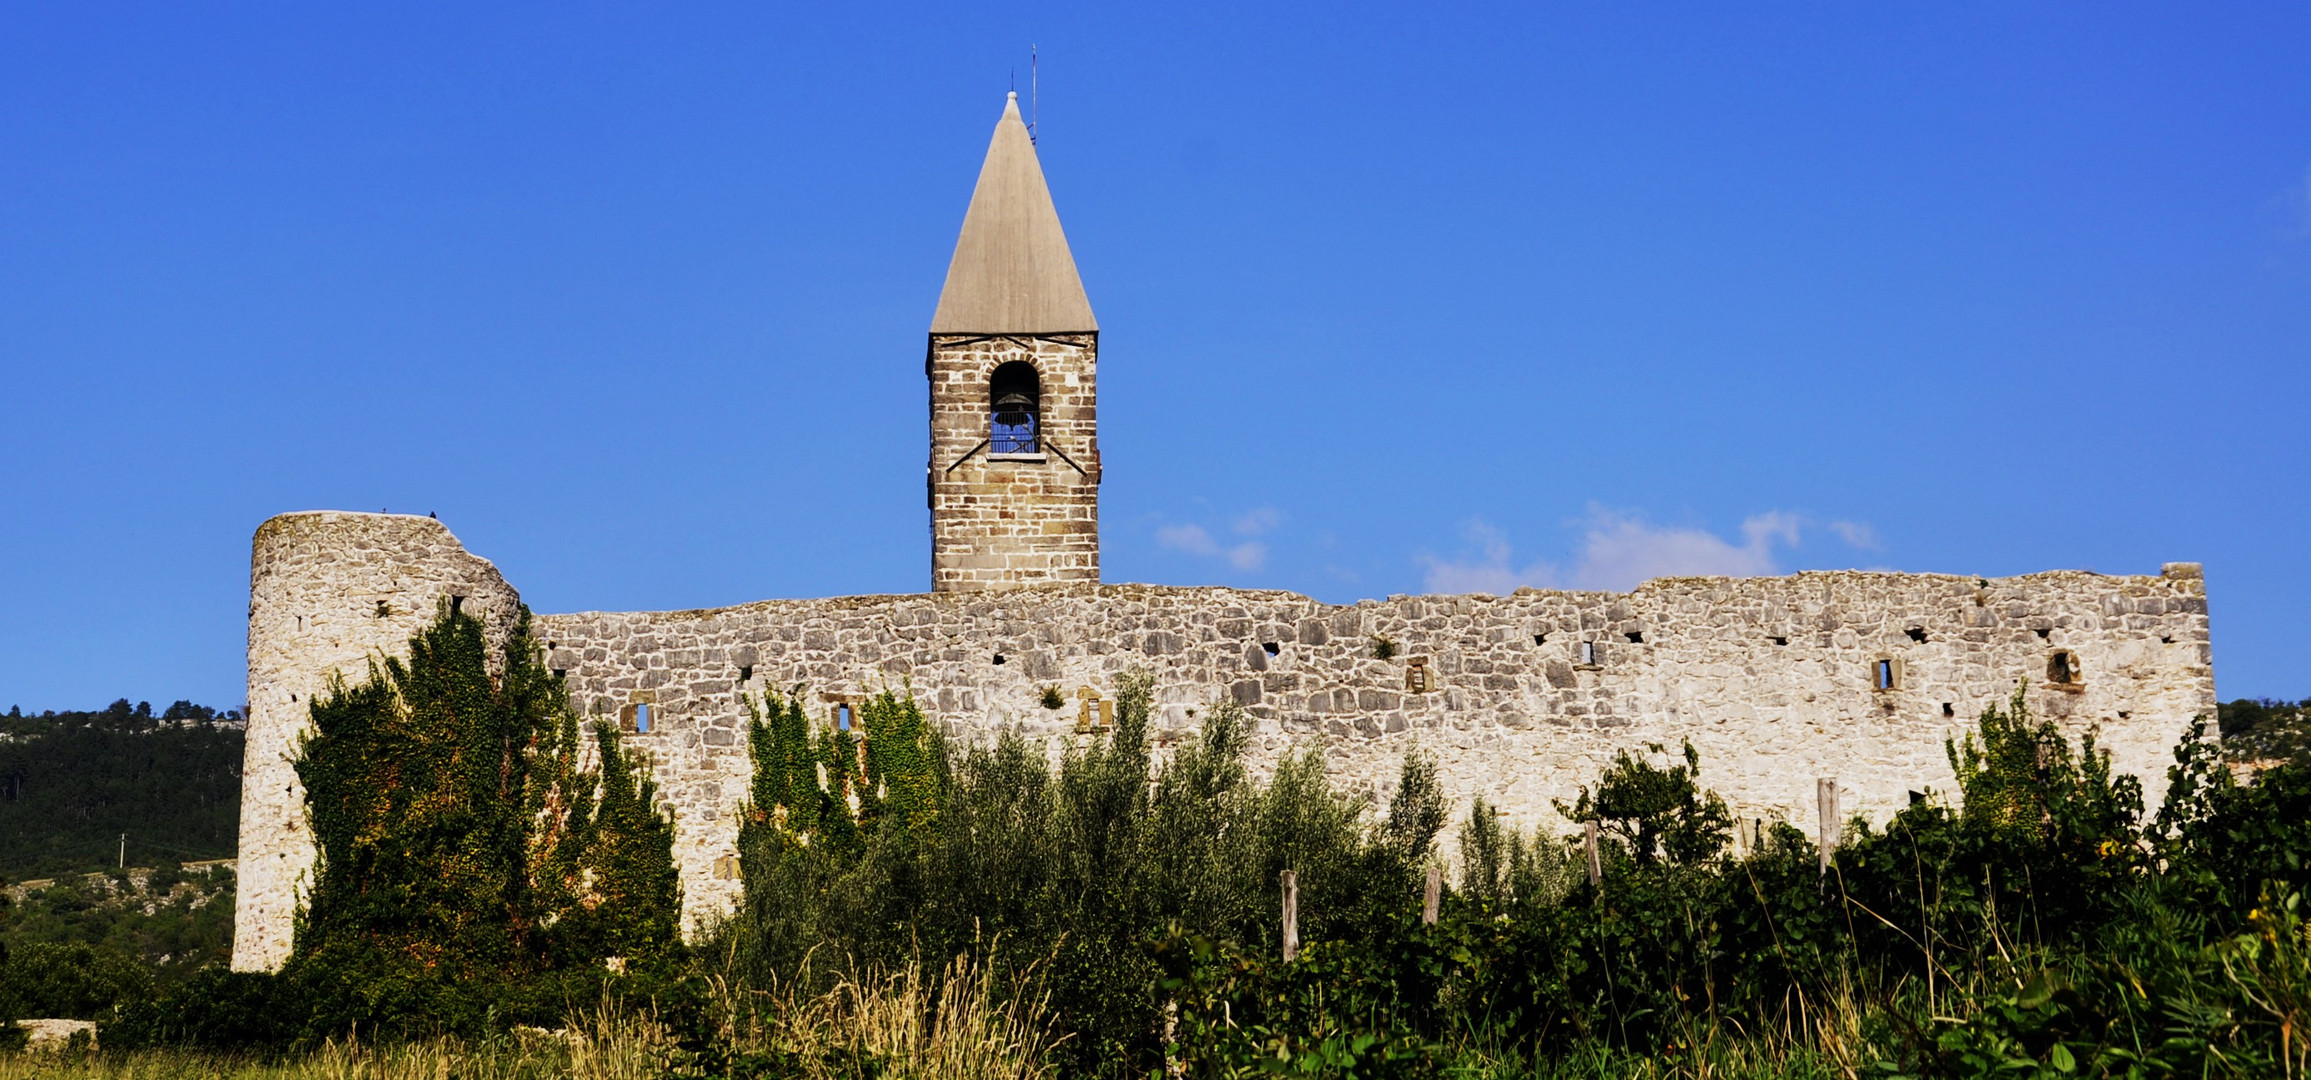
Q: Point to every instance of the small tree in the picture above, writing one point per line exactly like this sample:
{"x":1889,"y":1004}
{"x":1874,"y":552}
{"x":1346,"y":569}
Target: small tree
{"x":1659,"y":814}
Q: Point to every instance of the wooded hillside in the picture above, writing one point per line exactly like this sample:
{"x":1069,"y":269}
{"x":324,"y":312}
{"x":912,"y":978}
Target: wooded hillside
{"x":72,"y":783}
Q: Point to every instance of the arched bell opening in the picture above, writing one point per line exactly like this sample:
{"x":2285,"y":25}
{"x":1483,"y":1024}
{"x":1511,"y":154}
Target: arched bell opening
{"x":1014,"y":409}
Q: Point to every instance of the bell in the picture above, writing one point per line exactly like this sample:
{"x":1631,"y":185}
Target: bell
{"x":1014,"y":410}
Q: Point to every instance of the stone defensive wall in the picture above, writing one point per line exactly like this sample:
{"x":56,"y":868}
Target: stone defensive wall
{"x":1777,"y":681}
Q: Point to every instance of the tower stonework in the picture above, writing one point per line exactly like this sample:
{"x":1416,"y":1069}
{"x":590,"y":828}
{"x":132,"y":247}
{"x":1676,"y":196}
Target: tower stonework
{"x":1014,"y":471}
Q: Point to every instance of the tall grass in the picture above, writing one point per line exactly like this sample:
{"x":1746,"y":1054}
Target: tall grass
{"x":915,"y":1021}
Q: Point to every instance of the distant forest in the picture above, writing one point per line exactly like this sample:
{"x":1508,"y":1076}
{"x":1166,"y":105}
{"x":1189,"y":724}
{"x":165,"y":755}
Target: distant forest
{"x":72,"y":783}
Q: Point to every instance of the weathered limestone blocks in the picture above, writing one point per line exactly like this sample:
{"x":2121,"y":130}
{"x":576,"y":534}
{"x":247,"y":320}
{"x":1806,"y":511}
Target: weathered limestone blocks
{"x":328,"y":593}
{"x":1022,"y":519}
{"x":1522,"y":698}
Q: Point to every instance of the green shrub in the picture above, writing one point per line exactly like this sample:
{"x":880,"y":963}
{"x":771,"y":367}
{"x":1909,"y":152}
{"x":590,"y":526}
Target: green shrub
{"x":469,"y":873}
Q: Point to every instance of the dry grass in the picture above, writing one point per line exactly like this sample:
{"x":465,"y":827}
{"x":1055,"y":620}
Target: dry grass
{"x":951,"y":1024}
{"x":603,"y":1043}
{"x":904,"y":1025}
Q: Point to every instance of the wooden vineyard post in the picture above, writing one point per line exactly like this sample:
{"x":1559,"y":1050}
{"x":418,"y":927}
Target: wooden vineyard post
{"x":1826,"y":793}
{"x":1291,"y":916}
{"x":1596,"y":864}
{"x":1429,"y":895}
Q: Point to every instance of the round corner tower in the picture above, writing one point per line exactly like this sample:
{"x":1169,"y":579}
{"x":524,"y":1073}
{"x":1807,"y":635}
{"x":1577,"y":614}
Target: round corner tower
{"x":1014,"y":469}
{"x":330,"y":593}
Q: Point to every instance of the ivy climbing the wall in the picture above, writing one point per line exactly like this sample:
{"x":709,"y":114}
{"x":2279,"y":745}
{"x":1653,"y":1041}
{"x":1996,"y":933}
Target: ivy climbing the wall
{"x":467,"y":851}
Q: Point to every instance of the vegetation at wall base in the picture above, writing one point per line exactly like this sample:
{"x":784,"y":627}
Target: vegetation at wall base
{"x":915,"y":907}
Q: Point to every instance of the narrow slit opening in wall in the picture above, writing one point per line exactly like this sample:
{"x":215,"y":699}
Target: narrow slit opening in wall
{"x":1636,"y":637}
{"x":457,"y":605}
{"x":1882,"y":674}
{"x":1588,"y":652}
{"x":300,"y":624}
{"x":1917,"y":634}
{"x":745,"y":672}
{"x":1949,"y":709}
{"x":842,"y":716}
{"x":1271,"y":648}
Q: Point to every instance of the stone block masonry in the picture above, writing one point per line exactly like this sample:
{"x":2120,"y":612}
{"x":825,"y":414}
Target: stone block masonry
{"x":1020,"y":519}
{"x":329,"y":593}
{"x":1523,"y":698}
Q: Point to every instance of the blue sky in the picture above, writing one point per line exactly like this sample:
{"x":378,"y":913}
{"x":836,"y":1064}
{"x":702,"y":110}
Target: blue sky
{"x":1393,"y":297}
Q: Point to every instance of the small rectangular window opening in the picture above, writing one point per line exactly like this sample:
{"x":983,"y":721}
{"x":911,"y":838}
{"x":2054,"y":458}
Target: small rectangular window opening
{"x":456,"y":605}
{"x":637,"y":717}
{"x":1416,"y":675}
{"x":1949,"y":709}
{"x":1884,"y":675}
{"x":843,"y":716}
{"x":745,"y":672}
{"x":1780,"y":640}
{"x":1588,"y":652}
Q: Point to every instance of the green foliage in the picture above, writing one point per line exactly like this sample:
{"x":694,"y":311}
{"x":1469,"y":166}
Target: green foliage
{"x":1051,"y":697}
{"x":2032,"y":933}
{"x":469,"y":869}
{"x":934,"y":850}
{"x":72,"y":783}
{"x":72,"y":980}
{"x":1505,"y":868}
{"x":1383,"y":647}
{"x":2266,"y":731}
{"x":2023,"y":780}
{"x":1656,"y":814}
{"x":162,"y":922}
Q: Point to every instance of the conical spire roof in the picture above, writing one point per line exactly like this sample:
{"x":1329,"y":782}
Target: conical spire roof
{"x":1012,"y":273}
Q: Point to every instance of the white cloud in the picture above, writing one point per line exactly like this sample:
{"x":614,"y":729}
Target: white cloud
{"x":1490,"y":571}
{"x":1196,"y":540}
{"x":1620,"y":550}
{"x":1258,"y":521}
{"x":1856,"y":534}
{"x":1191,"y":539}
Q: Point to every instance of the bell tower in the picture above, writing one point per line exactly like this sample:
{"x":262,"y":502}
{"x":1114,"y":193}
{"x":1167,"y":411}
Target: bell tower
{"x":1014,"y":470}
